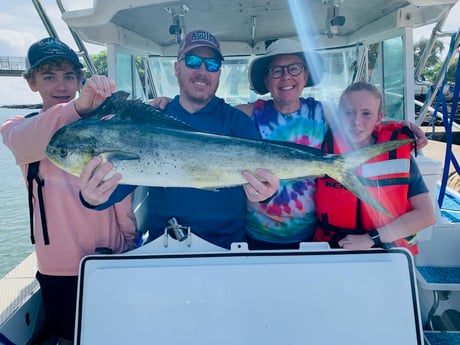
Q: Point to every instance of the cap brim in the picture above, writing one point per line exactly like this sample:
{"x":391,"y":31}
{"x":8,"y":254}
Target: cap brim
{"x":37,"y":63}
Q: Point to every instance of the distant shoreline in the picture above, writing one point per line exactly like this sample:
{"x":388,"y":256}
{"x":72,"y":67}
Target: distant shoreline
{"x":23,"y":106}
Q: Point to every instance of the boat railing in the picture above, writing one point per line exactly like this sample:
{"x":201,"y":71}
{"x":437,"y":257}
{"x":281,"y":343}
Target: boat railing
{"x":82,"y":51}
{"x":439,"y":83}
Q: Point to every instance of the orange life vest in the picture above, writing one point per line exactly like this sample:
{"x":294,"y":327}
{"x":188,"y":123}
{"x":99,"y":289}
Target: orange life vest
{"x":386,"y":177}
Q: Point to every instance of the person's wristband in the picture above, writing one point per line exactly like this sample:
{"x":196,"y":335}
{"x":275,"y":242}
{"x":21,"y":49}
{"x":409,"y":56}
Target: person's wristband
{"x":375,"y":236}
{"x":86,"y":203}
{"x":76,"y":110}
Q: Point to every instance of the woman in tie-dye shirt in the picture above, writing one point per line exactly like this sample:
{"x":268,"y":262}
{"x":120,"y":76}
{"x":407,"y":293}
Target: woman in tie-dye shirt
{"x":289,"y":216}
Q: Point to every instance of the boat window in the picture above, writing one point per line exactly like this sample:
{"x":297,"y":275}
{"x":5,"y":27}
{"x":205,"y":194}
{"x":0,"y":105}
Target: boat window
{"x":386,"y":70}
{"x":124,"y":75}
{"x":162,"y":69}
{"x":127,"y":77}
{"x":393,"y":78}
{"x":341,"y":67}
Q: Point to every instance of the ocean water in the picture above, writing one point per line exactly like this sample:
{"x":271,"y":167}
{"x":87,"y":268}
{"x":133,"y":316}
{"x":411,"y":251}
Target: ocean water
{"x":14,"y":213}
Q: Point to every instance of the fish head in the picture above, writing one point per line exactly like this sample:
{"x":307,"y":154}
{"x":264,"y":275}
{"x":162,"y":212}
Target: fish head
{"x":71,"y":150}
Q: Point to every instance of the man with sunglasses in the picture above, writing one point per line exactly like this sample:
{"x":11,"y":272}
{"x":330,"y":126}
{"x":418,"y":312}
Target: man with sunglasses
{"x":218,"y":217}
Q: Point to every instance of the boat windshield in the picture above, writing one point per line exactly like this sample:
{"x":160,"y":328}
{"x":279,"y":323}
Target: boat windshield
{"x":382,"y":63}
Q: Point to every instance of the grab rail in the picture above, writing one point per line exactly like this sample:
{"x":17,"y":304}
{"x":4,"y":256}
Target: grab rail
{"x":53,"y":33}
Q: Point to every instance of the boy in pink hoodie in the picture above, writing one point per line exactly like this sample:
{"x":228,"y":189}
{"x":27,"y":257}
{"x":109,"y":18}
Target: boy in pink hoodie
{"x":62,"y":229}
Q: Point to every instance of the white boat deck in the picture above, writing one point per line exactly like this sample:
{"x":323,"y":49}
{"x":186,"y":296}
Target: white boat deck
{"x":20,"y":279}
{"x":20,"y":302}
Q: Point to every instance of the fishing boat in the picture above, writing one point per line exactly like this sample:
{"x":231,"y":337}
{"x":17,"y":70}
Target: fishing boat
{"x":169,"y":291}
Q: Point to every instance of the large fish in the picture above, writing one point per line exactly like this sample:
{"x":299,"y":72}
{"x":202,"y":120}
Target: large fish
{"x":150,"y":148}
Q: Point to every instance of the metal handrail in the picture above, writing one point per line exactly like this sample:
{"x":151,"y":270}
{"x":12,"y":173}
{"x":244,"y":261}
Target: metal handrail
{"x":81,"y":46}
{"x":53,"y":33}
{"x":431,"y":95}
{"x":45,"y":19}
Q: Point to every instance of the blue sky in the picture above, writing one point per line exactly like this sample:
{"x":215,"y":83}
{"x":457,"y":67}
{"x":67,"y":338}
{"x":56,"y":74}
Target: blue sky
{"x":20,"y":26}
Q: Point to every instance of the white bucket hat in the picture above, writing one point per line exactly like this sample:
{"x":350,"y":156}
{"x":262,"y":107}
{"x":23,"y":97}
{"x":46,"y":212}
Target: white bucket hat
{"x":283,"y":46}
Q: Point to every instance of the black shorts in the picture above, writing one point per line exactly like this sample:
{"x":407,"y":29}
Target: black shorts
{"x":59,"y":300}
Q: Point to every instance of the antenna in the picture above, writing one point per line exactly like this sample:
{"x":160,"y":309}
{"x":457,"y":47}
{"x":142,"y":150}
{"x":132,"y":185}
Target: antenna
{"x":333,"y":17}
{"x":178,"y":26}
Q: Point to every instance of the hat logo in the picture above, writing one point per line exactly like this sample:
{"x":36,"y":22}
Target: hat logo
{"x":203,"y":36}
{"x":53,"y":47}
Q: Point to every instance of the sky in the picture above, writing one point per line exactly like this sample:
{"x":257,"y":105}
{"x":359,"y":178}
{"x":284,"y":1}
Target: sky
{"x":20,"y":26}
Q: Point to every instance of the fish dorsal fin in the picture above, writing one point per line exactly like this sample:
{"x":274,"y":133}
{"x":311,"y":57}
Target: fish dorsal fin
{"x":120,"y":108}
{"x":116,"y":100}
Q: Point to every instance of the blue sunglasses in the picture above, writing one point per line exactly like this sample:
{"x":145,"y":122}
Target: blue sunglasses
{"x":194,"y":62}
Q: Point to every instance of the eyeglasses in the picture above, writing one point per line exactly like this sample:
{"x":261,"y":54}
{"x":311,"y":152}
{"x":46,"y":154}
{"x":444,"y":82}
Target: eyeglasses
{"x":194,"y":62}
{"x":293,"y":69}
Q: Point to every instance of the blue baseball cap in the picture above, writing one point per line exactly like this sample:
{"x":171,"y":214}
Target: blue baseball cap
{"x":50,"y":48}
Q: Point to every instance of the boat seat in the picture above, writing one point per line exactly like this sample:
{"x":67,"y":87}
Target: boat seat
{"x":438,"y":274}
{"x":440,"y":280}
{"x":441,"y":338}
{"x":449,"y":320}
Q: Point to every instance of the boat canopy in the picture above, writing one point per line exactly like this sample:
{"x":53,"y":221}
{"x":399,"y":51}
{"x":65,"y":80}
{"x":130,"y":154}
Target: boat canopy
{"x":358,"y":39}
{"x":244,"y":26}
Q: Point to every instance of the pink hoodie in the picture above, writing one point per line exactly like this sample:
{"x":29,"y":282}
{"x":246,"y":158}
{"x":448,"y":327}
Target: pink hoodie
{"x":74,"y":230}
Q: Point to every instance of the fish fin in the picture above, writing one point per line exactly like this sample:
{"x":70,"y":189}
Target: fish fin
{"x":117,"y":100}
{"x":122,"y":109}
{"x":352,"y":182}
{"x":352,"y":160}
{"x":118,"y":156}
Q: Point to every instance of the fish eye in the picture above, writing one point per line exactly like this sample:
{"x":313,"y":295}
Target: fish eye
{"x":62,"y":153}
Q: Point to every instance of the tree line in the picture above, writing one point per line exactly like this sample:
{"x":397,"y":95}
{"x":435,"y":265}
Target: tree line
{"x":434,"y":62}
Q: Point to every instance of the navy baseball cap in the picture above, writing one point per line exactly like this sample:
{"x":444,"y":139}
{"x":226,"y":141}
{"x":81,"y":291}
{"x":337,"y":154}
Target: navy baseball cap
{"x":50,"y":48}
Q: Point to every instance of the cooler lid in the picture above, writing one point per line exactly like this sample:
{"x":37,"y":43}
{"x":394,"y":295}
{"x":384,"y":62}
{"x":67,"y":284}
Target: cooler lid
{"x":249,"y":297}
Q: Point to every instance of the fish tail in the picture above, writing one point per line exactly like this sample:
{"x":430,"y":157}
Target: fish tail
{"x":349,"y":161}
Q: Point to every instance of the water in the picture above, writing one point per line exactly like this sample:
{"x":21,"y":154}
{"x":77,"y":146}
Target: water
{"x":14,"y":213}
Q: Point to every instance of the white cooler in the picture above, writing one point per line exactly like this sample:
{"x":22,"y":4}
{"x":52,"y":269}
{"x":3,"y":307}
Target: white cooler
{"x":431,"y":171}
{"x":320,"y":297}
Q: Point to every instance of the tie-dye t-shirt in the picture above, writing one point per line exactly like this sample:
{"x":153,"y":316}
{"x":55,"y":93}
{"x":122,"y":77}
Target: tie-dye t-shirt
{"x":289,"y":216}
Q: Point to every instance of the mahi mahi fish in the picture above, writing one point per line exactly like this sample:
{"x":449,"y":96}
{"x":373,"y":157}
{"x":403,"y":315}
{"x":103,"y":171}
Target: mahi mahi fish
{"x":150,"y":148}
